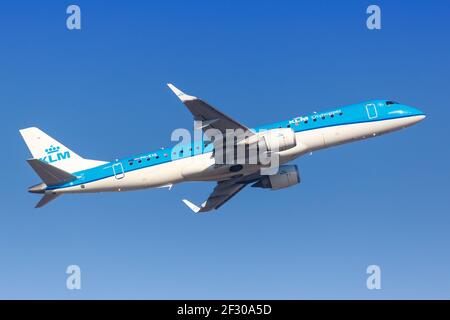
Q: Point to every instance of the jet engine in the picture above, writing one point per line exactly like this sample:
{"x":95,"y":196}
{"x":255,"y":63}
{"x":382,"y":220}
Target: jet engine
{"x":287,"y":176}
{"x":278,"y":139}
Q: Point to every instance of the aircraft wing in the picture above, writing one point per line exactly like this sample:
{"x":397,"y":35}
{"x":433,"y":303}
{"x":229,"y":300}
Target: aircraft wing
{"x":223,"y":191}
{"x":221,"y":194}
{"x":209,"y":116}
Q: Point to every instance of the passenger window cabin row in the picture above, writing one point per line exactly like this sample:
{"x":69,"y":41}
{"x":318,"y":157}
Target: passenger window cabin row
{"x":165,"y":155}
{"x":315,"y":119}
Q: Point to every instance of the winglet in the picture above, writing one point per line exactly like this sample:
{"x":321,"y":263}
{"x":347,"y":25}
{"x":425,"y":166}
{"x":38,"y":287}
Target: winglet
{"x":193,"y":207}
{"x":180,"y":94}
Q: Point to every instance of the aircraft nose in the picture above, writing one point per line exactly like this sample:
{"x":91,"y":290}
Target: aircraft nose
{"x":412,"y":111}
{"x":418,"y":114}
{"x":417,"y":118}
{"x":421,"y":117}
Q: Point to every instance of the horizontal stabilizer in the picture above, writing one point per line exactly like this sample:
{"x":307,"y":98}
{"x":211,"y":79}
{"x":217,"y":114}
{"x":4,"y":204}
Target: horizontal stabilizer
{"x":46,"y":199}
{"x":50,"y":174}
{"x":193,"y":207}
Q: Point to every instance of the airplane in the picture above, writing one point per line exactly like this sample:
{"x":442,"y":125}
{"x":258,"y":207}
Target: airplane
{"x":63,"y":171}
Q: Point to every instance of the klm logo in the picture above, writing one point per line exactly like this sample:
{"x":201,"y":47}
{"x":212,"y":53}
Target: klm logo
{"x":54,"y":155}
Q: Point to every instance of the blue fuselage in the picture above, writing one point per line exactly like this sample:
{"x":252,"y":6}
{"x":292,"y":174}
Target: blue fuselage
{"x":370,"y":111}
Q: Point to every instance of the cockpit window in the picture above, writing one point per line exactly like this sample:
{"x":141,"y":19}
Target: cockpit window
{"x":388,"y":103}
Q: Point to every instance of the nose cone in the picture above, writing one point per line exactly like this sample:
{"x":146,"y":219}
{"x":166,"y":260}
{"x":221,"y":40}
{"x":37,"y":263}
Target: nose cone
{"x":418,"y":118}
{"x":421,"y":117}
{"x":416,"y":114}
{"x":410,"y":115}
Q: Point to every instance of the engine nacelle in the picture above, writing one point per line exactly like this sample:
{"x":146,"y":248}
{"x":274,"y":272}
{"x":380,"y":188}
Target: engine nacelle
{"x":287,"y":176}
{"x":278,"y":139}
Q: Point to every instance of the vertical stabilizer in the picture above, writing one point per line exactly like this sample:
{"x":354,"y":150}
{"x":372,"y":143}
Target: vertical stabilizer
{"x":47,"y":149}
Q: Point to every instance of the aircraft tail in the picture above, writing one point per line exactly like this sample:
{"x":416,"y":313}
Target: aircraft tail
{"x":50,"y":176}
{"x":50,"y":151}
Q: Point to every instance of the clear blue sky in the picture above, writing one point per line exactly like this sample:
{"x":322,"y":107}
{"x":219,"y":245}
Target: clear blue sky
{"x":102,"y":91}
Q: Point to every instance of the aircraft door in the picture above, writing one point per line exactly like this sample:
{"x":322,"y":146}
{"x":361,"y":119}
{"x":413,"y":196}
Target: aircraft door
{"x":118,"y":170}
{"x":372,"y":112}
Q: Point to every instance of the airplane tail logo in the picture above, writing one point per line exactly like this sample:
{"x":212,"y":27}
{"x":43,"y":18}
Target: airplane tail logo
{"x":54,"y":154}
{"x":47,"y":149}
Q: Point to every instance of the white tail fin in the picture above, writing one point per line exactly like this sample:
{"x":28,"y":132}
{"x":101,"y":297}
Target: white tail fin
{"x":47,"y":149}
